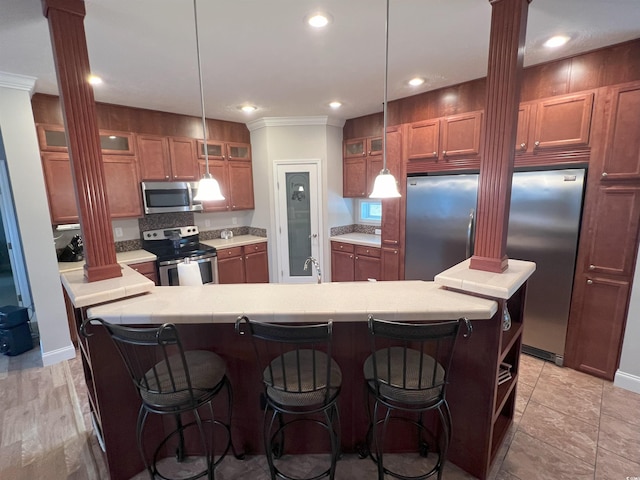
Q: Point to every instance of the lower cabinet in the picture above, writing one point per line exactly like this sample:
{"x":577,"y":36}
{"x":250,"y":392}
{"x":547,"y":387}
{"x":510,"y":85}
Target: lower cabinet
{"x":354,"y":262}
{"x":148,"y":269}
{"x":246,"y":264}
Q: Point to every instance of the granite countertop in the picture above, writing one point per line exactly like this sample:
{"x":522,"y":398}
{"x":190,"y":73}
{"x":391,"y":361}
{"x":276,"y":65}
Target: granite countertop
{"x":123,"y":258}
{"x":349,"y":301}
{"x":236,"y":241}
{"x":364,"y":239}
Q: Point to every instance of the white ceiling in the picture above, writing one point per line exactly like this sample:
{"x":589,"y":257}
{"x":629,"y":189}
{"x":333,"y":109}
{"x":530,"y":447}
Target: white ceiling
{"x":262,"y":52}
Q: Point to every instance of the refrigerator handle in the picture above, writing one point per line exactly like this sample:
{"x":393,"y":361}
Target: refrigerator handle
{"x":471,"y":227}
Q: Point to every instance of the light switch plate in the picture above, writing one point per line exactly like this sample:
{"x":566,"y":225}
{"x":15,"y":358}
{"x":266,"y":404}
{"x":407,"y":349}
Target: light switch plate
{"x":118,"y":232}
{"x":378,"y":231}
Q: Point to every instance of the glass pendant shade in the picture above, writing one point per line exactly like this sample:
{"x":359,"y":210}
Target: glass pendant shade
{"x":385,"y":186}
{"x":208,"y":190}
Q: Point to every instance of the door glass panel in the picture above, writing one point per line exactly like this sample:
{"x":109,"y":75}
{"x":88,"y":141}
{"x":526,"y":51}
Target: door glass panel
{"x":8,"y":294}
{"x":238,"y":151}
{"x":376,"y":145}
{"x":298,"y":223}
{"x":114,"y":142}
{"x":355,"y":148}
{"x":213,"y":149}
{"x":55,"y":138}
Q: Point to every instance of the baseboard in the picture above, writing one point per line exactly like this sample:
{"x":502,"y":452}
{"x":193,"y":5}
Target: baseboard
{"x":56,"y":356}
{"x":627,"y":381}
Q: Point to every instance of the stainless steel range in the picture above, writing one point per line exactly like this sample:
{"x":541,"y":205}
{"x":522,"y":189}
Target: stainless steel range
{"x":175,"y":245}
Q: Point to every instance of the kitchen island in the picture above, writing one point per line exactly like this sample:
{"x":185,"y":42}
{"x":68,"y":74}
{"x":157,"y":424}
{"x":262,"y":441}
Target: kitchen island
{"x":482,"y":410}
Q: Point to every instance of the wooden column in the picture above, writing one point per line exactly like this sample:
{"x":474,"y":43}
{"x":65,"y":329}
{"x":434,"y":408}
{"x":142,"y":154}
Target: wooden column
{"x":504,"y":74}
{"x":79,"y":111}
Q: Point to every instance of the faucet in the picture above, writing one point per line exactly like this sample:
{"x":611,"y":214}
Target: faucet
{"x":315,"y":264}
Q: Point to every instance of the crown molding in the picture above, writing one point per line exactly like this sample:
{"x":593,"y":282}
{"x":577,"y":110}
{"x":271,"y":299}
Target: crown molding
{"x":321,"y":120}
{"x":17,"y":82}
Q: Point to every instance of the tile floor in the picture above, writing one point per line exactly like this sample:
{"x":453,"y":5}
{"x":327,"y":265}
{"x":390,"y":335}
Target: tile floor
{"x":568,"y":425}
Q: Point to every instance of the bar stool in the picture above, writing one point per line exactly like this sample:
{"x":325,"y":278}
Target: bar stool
{"x":301,"y":384}
{"x":171,"y":381}
{"x":406,"y":376}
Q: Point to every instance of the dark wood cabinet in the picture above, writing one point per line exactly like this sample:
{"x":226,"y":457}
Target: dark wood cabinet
{"x":148,"y":269}
{"x":354,"y":262}
{"x":52,"y":138}
{"x":122,"y":187}
{"x":167,"y":158}
{"x":390,"y":263}
{"x":362,"y":162}
{"x":622,"y":152}
{"x":244,"y":264}
{"x":423,"y":140}
{"x":391,"y":226}
{"x":230,"y":164}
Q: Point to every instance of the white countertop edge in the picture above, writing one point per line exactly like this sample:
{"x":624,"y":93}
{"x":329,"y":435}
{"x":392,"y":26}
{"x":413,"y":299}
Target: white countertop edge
{"x":237,"y":241}
{"x":123,"y":258}
{"x":498,"y":285}
{"x":364,"y":239}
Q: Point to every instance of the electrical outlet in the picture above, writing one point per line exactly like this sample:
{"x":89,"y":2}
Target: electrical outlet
{"x":207,"y":223}
{"x":234,"y":220}
{"x":118,"y":232}
{"x":377,"y":231}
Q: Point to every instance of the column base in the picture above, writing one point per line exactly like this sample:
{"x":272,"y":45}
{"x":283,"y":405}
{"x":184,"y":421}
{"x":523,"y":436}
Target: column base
{"x":497,"y":265}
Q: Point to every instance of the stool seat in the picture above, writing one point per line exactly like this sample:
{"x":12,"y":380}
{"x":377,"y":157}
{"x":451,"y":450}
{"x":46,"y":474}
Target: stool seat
{"x":206,"y":372}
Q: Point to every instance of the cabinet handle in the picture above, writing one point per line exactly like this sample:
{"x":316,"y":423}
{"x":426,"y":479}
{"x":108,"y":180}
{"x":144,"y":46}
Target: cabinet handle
{"x":369,"y":152}
{"x":364,"y":154}
{"x":592,"y":267}
{"x":350,"y":256}
{"x":589,"y":282}
{"x":395,"y":252}
{"x":444,"y":153}
{"x":435,"y":154}
{"x":166,"y":176}
{"x":523,"y":146}
{"x":536,"y":144}
{"x":604,"y":174}
{"x":356,"y":258}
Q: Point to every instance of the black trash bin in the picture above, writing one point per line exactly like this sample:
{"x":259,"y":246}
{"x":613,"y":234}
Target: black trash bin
{"x":15,"y":334}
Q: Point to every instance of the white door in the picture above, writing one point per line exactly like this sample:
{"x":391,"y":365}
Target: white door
{"x":298,"y":220}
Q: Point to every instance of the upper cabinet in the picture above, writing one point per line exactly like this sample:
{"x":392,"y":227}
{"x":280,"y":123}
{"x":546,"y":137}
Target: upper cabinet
{"x":560,"y":122}
{"x":362,"y":162}
{"x":433,"y":143}
{"x":622,"y":152}
{"x":167,"y":158}
{"x":52,"y":138}
{"x":230,"y":164}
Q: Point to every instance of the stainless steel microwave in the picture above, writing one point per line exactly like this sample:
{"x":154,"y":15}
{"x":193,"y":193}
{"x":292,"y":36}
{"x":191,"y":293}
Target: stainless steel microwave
{"x":167,"y":197}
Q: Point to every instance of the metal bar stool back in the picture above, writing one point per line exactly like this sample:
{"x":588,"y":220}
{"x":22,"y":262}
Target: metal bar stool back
{"x":301,"y":384}
{"x":406,"y":375}
{"x":172,"y":381}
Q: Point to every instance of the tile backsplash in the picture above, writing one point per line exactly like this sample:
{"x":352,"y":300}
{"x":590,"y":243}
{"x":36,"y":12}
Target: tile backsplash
{"x":355,"y":228}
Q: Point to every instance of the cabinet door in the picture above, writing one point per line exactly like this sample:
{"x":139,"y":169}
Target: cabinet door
{"x":356,"y":147}
{"x":461,"y":134}
{"x":218,"y":169}
{"x":354,"y":182}
{"x":374,"y":166}
{"x":613,"y":233}
{"x":522,"y":133}
{"x":183,"y":160}
{"x":148,"y":269}
{"x":423,"y":140}
{"x":563,"y":121}
{"x":215,"y":150}
{"x":256,"y":263}
{"x":342,"y":266}
{"x":153,"y":152}
{"x":122,"y":186}
{"x":622,"y":155}
{"x":600,"y":325}
{"x":239,"y":151}
{"x":374,"y":146}
{"x":60,"y":188}
{"x":52,"y":138}
{"x":240,"y":185}
{"x":366,"y":268}
{"x":390,"y":264}
{"x":116,"y":143}
{"x":231,"y":265}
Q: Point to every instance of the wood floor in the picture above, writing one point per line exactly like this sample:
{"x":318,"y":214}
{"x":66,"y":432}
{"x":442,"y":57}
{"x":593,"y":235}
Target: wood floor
{"x":567,"y":426}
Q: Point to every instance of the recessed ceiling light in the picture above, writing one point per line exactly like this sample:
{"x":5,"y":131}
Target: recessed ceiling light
{"x":94,"y":80}
{"x":335,"y":104}
{"x":416,"y":82}
{"x":248,"y":108}
{"x":556,"y":41}
{"x":318,"y":20}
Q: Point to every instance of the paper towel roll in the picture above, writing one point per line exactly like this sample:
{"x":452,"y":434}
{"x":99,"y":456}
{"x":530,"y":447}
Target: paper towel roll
{"x":189,"y":274}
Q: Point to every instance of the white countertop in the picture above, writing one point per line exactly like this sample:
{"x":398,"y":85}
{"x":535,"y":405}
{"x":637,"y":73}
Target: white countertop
{"x":236,"y":241}
{"x":126,"y":258}
{"x":365,"y":239}
{"x":83,"y":293}
{"x":351,"y":301}
{"x":498,"y":285}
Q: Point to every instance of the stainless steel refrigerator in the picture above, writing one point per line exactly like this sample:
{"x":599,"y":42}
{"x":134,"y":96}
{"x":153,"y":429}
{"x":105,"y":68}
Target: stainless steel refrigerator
{"x":544,"y":223}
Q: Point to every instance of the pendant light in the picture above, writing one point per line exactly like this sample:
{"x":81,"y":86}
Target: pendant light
{"x":208,"y":187}
{"x":385,"y":185}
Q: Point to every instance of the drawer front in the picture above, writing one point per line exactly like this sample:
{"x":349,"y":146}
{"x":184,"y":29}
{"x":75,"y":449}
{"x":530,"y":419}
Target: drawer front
{"x":144,"y":267}
{"x":256,"y":247}
{"x":342,"y":247}
{"x":229,"y":252}
{"x":368,"y":251}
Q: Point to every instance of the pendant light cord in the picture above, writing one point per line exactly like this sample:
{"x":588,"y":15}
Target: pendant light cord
{"x":204,"y":121}
{"x":384,"y":104}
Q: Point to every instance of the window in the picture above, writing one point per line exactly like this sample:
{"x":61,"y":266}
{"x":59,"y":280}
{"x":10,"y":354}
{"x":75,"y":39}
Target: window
{"x":370,"y":211}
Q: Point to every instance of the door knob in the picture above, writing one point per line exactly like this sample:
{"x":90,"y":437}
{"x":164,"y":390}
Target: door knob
{"x":589,"y":282}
